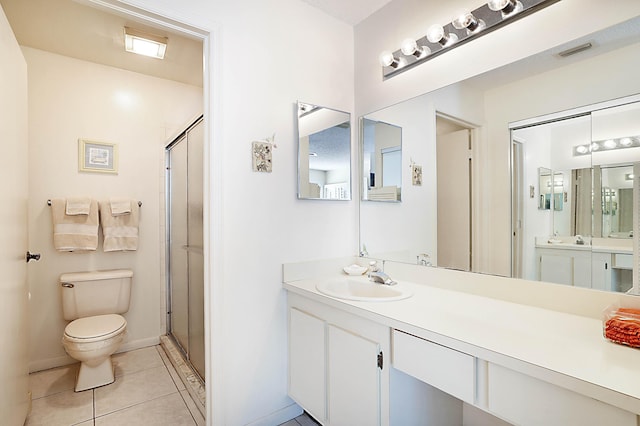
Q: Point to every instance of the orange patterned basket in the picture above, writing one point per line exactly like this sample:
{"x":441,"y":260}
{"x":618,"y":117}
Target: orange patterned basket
{"x":622,"y":325}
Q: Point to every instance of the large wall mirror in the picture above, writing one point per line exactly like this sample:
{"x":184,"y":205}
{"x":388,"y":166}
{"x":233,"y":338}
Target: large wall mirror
{"x":324,"y":153}
{"x":461,"y":215}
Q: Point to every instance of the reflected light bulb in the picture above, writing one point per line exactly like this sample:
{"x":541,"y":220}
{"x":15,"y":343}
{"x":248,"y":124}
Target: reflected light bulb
{"x":595,"y":146}
{"x":626,"y":141}
{"x":582,"y":149}
{"x":610,"y":144}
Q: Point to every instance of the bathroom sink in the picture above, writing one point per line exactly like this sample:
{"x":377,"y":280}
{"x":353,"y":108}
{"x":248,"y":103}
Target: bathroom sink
{"x":362,"y":290}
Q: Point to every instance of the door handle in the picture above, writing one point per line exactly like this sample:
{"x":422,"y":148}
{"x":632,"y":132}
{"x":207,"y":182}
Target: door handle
{"x":32,"y":256}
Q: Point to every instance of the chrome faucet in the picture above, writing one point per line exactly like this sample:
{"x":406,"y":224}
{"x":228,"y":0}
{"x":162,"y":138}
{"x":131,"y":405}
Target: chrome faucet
{"x":378,"y":276}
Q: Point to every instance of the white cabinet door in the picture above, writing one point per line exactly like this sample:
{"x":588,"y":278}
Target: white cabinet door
{"x":307,"y":362}
{"x":601,"y":271}
{"x":556,"y":269}
{"x":354,"y":379}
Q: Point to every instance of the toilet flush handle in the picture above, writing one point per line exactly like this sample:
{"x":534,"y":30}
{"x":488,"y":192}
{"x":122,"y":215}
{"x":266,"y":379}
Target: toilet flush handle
{"x":67,"y":285}
{"x":32,"y":256}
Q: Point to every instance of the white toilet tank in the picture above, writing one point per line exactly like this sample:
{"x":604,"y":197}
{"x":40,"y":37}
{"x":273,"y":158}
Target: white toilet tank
{"x":86,"y":294}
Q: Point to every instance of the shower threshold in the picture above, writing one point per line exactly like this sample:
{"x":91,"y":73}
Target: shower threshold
{"x":192,"y":381}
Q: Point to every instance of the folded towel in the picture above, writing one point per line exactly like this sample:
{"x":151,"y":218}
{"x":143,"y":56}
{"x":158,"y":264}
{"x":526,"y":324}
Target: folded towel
{"x":74,"y":232}
{"x":120,"y":232}
{"x":120,"y":206}
{"x":76,"y":206}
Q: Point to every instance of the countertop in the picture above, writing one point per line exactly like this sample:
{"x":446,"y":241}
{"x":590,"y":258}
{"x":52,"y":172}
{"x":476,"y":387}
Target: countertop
{"x":508,"y":333}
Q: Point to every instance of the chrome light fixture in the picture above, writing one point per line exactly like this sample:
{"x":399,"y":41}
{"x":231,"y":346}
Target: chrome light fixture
{"x":465,"y":27}
{"x":607,"y":145}
{"x":142,"y":43}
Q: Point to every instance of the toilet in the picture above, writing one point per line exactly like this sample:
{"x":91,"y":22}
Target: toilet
{"x":93,"y":302}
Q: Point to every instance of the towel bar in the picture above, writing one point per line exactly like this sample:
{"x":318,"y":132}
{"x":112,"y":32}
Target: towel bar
{"x":139,"y":203}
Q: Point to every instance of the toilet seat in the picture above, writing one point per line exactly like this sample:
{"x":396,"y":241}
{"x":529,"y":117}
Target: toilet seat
{"x":95,"y":328}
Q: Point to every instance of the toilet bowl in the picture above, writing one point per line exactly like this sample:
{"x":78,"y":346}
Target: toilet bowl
{"x":92,"y":340}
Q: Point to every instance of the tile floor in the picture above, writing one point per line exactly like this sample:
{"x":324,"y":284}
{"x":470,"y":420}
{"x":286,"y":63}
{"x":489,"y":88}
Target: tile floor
{"x":147,"y":391}
{"x":302,"y":420}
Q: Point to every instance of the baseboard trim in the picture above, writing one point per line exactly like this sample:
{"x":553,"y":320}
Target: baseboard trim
{"x":281,"y":416}
{"x":60,"y":361}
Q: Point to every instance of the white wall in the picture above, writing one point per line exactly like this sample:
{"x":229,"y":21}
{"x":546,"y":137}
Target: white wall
{"x":265,"y":56}
{"x":71,"y":99}
{"x":14,"y":379}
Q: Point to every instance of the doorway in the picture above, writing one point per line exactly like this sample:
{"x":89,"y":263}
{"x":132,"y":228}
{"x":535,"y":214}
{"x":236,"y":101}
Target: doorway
{"x":454,"y":142}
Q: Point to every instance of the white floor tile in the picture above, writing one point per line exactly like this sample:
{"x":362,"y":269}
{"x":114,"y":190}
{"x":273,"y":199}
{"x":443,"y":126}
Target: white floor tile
{"x":132,"y":389}
{"x":49,"y":382}
{"x":168,"y":410}
{"x":62,"y":409}
{"x":135,"y":361}
{"x":172,"y":371}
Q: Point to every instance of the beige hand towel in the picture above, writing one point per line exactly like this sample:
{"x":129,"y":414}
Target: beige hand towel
{"x":120,"y":232}
{"x":74,"y":232}
{"x":76,"y":206}
{"x":120,"y":206}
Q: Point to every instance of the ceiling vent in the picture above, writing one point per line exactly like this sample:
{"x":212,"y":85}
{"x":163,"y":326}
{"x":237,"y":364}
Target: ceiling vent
{"x":575,"y":50}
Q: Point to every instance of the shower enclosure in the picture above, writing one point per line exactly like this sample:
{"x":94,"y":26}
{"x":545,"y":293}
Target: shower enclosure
{"x":185,"y":262}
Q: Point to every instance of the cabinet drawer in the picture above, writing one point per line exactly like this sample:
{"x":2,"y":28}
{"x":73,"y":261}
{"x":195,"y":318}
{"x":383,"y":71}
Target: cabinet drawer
{"x":523,"y":400}
{"x":450,"y":371}
{"x":623,"y":261}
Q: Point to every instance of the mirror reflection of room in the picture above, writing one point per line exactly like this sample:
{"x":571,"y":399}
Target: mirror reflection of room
{"x":324,"y":153}
{"x":503,"y":243}
{"x":381,"y":161}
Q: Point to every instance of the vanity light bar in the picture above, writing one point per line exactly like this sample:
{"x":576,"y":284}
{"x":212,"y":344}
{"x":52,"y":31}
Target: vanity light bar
{"x":607,"y":145}
{"x":464,"y":28}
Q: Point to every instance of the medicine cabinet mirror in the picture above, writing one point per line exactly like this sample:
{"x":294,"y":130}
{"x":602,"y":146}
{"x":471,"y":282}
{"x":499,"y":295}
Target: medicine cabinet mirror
{"x":581,"y":192}
{"x":324,"y":153}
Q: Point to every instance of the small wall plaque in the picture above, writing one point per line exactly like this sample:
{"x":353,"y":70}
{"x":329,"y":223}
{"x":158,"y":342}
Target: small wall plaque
{"x":261,"y":153}
{"x":416,"y":175}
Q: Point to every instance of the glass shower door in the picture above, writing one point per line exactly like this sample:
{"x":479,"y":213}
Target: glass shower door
{"x":185,"y":244}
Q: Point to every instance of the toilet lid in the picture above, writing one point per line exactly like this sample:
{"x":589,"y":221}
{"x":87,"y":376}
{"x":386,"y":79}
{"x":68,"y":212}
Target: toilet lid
{"x":96,"y":326}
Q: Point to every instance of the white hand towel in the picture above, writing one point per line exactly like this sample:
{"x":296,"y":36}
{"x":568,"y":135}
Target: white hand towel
{"x":74,"y":232}
{"x":77,"y":206}
{"x":120,"y":206}
{"x":120,"y":232}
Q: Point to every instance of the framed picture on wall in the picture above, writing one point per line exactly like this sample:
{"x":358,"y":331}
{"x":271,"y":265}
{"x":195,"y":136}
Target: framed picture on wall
{"x":98,"y":157}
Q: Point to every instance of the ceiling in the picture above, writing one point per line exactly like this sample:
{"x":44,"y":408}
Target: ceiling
{"x":349,"y":11}
{"x":69,"y":28}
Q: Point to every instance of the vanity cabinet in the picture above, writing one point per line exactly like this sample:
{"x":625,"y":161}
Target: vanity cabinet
{"x":337,"y":370}
{"x":579,"y":268}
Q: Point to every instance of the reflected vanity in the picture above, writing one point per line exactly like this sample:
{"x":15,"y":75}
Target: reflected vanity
{"x":565,"y":198}
{"x":324,"y":153}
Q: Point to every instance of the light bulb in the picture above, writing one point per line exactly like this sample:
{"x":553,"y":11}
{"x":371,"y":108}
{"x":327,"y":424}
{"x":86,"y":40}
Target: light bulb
{"x":466,"y":20}
{"x":595,"y":146}
{"x":626,"y":141}
{"x":507,"y":7}
{"x":582,"y":149}
{"x":410,"y":47}
{"x":436,"y":34}
{"x":610,"y":144}
{"x":387,"y":59}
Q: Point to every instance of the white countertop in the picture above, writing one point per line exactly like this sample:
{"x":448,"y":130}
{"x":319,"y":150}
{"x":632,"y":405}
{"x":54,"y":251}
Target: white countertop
{"x":493,"y":329}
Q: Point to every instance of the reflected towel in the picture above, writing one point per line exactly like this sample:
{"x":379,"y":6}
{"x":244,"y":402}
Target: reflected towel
{"x":74,"y":232}
{"x":120,"y":232}
{"x":120,"y":206}
{"x":76,"y":206}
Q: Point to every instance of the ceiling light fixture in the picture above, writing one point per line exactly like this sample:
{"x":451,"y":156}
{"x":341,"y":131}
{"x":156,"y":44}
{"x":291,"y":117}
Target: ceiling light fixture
{"x":465,"y":27}
{"x":145,"y":44}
